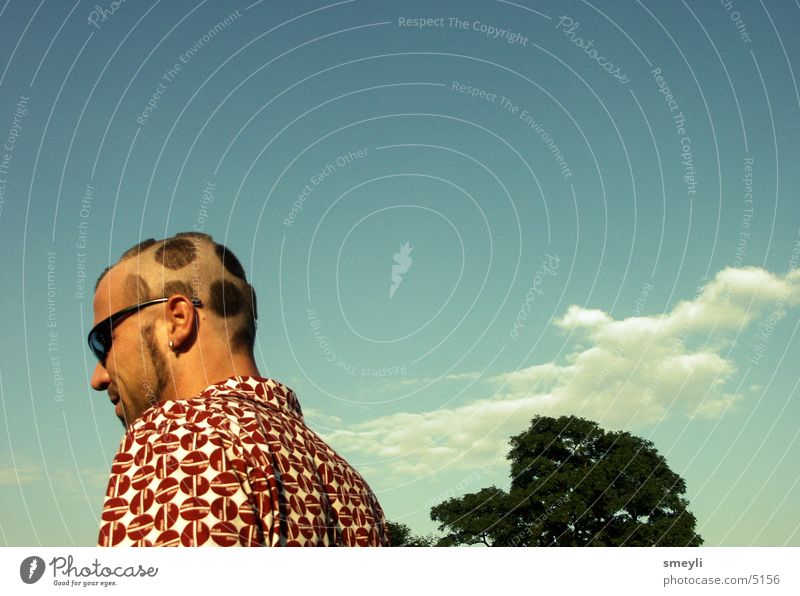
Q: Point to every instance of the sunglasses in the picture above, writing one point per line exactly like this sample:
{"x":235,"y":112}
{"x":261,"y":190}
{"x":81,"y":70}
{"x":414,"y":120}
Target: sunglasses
{"x":100,"y":337}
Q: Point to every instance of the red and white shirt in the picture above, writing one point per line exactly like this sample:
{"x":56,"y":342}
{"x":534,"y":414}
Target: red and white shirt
{"x":235,"y":466}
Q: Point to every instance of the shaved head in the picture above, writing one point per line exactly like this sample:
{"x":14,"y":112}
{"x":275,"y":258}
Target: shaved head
{"x":193,"y":265}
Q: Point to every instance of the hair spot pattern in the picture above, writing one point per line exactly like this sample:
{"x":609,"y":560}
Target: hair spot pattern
{"x":230,"y":262}
{"x":177,"y":286}
{"x":176,"y":253}
{"x":227,"y":300}
{"x":137,"y":286}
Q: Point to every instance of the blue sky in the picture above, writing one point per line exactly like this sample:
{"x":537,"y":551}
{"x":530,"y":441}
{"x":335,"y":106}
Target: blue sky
{"x":598,"y":201}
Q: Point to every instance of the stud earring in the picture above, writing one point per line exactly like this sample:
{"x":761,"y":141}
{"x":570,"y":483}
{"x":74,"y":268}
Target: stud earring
{"x":171,"y":345}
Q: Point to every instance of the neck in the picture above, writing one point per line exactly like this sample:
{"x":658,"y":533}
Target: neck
{"x":193,"y":372}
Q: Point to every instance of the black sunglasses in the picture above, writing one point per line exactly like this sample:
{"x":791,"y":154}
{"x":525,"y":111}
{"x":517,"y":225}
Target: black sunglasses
{"x":100,"y":336}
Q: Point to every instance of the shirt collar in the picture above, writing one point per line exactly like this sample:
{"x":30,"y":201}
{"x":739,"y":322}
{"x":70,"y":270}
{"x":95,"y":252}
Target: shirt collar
{"x":267,"y":391}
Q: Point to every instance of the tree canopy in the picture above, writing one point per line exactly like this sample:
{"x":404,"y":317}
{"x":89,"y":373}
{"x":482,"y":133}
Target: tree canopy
{"x":400,"y":535}
{"x":575,"y":484}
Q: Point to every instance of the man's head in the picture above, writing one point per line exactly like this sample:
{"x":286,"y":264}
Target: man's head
{"x":169,"y":348}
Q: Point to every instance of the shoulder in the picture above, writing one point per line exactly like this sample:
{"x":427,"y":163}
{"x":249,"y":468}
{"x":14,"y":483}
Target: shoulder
{"x":181,"y":427}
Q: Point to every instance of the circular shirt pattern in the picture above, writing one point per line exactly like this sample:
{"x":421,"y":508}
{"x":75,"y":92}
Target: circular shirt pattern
{"x":235,"y":466}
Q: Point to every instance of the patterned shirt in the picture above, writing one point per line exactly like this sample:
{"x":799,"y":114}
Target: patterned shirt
{"x":235,"y":466}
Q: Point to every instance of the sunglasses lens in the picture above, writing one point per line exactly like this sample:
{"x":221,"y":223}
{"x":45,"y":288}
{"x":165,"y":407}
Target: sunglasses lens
{"x":99,"y":341}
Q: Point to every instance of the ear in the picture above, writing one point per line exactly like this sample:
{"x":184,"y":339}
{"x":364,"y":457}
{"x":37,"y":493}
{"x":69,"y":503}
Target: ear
{"x":180,"y":316}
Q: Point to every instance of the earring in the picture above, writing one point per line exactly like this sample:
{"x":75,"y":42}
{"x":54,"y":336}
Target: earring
{"x":171,"y":345}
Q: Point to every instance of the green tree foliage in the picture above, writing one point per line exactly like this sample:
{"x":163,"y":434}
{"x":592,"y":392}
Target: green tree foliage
{"x":574,"y":484}
{"x":475,"y":518}
{"x":400,"y":535}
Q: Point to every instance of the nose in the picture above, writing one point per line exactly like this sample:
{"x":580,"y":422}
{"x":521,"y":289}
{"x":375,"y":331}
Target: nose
{"x":100,"y":378}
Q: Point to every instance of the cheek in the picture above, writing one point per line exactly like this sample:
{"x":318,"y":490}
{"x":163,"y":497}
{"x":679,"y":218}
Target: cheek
{"x":127,"y":371}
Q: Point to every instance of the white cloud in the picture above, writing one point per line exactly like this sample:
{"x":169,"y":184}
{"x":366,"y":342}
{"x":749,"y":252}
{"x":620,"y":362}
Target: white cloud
{"x":581,"y":317}
{"x":468,"y":376}
{"x":420,"y":443}
{"x":87,"y":483}
{"x":21,"y":475}
{"x":635,"y":371}
{"x":321,"y":420}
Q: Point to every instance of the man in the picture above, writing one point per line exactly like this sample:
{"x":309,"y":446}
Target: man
{"x":213,"y":453}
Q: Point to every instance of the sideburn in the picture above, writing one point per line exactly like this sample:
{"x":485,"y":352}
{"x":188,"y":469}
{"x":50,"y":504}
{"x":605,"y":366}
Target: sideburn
{"x":159,"y":364}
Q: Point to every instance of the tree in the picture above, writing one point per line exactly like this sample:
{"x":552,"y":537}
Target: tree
{"x":575,"y":484}
{"x":400,"y":535}
{"x":475,"y":518}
